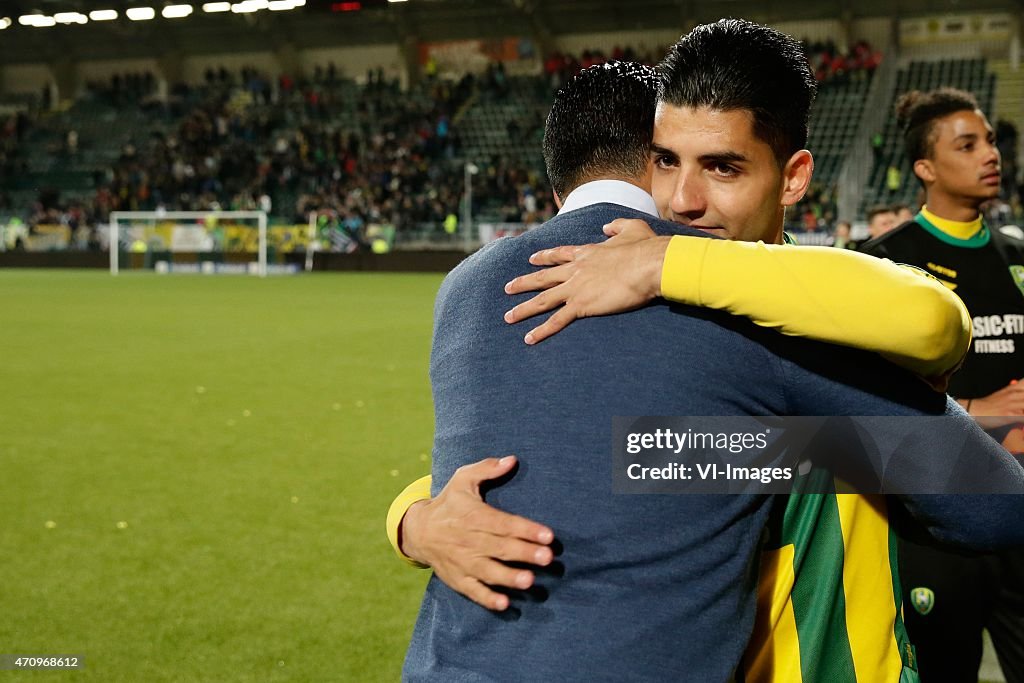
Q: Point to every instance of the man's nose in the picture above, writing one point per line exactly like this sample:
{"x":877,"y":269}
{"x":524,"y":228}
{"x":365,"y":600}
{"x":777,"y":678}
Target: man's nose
{"x":689,"y":197}
{"x":992,"y":156}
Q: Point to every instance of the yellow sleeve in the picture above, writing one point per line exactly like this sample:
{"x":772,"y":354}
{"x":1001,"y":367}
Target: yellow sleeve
{"x":831,"y":295}
{"x":413,"y":493}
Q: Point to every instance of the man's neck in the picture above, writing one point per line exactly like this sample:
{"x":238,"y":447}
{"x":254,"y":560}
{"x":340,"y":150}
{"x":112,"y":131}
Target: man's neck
{"x":959,"y":230}
{"x":779,"y":236}
{"x":644,"y":183}
{"x":953,"y":208}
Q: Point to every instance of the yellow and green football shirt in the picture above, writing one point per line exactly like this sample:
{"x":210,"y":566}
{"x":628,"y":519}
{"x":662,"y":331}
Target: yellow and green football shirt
{"x":828,"y":604}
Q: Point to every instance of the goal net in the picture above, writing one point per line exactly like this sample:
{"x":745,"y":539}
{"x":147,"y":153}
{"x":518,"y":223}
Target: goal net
{"x":191,"y":242}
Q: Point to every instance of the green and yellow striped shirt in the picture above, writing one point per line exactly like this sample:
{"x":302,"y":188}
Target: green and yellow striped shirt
{"x":823,"y":547}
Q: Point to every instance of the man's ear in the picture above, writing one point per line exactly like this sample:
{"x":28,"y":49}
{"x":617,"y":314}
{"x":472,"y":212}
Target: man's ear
{"x":925,"y":170}
{"x":558,"y":200}
{"x":796,"y":177}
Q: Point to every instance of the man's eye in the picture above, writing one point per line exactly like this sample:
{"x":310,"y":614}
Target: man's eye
{"x":724,"y":170}
{"x":664,"y":161}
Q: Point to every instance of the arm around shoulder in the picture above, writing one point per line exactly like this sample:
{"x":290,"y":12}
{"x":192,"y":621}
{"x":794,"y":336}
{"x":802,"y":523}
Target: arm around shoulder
{"x":825,"y":294}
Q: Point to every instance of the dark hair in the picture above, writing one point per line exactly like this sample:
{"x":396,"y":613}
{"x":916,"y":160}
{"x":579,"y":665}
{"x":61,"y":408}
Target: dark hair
{"x":881,"y":208}
{"x":736,"y":64}
{"x":916,"y":113}
{"x":601,"y":123}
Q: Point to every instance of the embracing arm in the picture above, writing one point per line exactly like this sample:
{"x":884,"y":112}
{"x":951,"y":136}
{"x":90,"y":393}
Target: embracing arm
{"x":826,"y":294}
{"x":959,"y":484}
{"x":468,"y":543}
{"x":979,"y":521}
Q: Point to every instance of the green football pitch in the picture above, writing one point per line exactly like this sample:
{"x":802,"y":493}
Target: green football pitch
{"x":194,"y":473}
{"x":196,"y":470}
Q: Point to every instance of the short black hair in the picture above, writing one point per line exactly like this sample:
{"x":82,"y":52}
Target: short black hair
{"x":737,"y":64}
{"x":917,"y":112}
{"x":881,"y":208}
{"x":601,"y":124}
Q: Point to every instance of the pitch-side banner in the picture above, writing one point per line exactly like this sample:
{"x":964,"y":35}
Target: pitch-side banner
{"x":768,"y":455}
{"x":186,"y":238}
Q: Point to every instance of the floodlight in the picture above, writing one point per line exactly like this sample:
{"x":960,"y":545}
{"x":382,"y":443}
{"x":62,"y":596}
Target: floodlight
{"x":37,"y":20}
{"x":176,"y":11}
{"x":70,"y":18}
{"x":249,"y":6}
{"x":140,"y":13}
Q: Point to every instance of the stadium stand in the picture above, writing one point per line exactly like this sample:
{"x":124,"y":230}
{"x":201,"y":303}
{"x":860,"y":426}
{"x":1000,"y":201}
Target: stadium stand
{"x":333,"y":145}
{"x":835,"y":119}
{"x":844,"y":81}
{"x":373,"y":153}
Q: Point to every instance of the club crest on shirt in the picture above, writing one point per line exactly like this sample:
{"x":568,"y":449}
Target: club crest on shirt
{"x":923,"y":600}
{"x":1018,"y":277}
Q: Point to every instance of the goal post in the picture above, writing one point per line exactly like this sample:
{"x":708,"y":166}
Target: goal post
{"x":180,"y":236}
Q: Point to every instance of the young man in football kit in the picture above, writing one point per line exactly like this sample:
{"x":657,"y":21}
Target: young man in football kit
{"x":950,"y":598}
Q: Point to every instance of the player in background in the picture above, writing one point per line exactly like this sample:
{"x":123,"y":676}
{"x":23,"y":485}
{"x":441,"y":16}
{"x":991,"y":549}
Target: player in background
{"x":954,"y":155}
{"x":950,"y":598}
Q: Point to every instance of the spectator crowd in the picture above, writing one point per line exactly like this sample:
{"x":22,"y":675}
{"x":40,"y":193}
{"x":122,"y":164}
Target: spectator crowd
{"x":363,"y":154}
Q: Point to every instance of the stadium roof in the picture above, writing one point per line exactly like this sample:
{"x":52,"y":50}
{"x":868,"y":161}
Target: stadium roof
{"x":325,"y":23}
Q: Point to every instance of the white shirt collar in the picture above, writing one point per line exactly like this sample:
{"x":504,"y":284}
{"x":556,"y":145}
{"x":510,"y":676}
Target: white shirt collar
{"x":609,"y":192}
